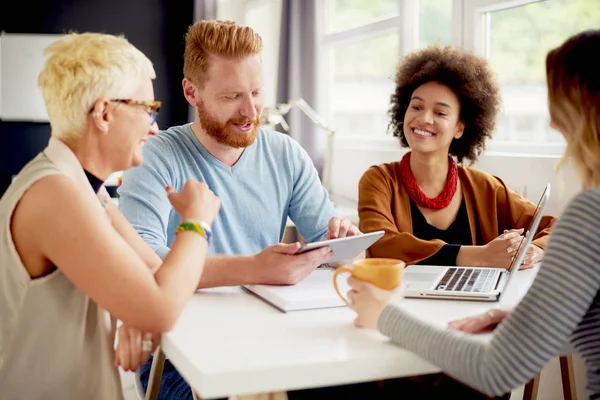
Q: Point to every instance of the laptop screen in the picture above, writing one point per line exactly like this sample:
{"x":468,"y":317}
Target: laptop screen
{"x":531,"y":230}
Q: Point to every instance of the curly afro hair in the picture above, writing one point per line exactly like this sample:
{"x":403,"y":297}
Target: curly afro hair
{"x":468,"y":76}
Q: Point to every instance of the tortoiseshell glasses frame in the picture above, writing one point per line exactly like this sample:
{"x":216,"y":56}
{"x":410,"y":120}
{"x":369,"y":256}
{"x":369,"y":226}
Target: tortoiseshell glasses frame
{"x":152,"y":107}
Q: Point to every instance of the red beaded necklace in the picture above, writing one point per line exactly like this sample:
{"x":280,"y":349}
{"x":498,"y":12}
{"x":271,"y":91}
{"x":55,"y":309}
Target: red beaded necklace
{"x":415,"y":193}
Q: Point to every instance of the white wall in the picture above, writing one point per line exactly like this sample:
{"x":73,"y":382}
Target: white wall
{"x":232,"y":10}
{"x":21,"y":61}
{"x":525,"y":174}
{"x":264,"y":16}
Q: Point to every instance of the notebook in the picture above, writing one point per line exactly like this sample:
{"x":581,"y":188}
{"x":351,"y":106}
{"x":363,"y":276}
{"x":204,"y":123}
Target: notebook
{"x":313,"y":292}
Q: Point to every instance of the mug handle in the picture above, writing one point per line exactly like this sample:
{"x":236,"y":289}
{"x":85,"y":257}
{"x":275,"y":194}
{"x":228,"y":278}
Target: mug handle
{"x":339,"y":270}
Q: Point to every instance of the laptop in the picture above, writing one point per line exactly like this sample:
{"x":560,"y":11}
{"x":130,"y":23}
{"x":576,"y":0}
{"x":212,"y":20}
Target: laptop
{"x":470,"y":283}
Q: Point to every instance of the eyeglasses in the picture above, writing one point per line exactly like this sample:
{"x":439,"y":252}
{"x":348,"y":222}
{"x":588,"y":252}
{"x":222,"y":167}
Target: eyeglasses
{"x":152,"y":107}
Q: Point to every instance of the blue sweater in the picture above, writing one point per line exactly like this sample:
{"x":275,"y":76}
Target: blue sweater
{"x":274,"y":179}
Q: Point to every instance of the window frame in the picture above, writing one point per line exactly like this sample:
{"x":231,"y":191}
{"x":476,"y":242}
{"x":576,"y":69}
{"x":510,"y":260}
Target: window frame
{"x":468,"y":24}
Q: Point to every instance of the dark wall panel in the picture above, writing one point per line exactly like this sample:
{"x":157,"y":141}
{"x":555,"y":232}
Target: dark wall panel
{"x":156,"y":27}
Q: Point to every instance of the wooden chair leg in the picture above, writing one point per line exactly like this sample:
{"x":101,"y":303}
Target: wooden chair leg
{"x":567,"y":373}
{"x":531,"y":389}
{"x":156,"y":371}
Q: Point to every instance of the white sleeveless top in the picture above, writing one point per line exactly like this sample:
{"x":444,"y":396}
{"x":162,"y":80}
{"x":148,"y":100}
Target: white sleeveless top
{"x":55,"y":343}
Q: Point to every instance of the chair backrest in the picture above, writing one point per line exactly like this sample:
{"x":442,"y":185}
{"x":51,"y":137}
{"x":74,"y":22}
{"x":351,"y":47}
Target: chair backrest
{"x":137,"y":383}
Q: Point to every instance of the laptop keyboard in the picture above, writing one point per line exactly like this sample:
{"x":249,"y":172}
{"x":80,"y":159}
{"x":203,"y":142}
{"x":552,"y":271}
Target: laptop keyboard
{"x":476,"y":280}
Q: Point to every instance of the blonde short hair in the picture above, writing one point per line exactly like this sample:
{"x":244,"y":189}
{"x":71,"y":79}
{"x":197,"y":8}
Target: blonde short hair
{"x":574,"y":101}
{"x":80,"y":69}
{"x":221,"y":38}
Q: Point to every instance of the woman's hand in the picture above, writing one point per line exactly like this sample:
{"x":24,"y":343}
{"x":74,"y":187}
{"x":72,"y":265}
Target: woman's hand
{"x":134,"y":347}
{"x":534,"y":253}
{"x":533,"y":256}
{"x":485,"y":322}
{"x":195,"y":202}
{"x":368,"y":301}
{"x":501,"y":251}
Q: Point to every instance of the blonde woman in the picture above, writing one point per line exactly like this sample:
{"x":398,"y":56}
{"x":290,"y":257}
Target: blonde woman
{"x":563,"y":304}
{"x":68,"y":258}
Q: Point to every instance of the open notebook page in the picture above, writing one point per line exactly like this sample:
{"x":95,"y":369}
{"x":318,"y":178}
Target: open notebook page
{"x":315,"y":291}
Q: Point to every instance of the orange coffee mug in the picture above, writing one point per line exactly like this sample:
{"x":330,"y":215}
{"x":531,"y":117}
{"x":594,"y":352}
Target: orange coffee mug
{"x":385,"y":273}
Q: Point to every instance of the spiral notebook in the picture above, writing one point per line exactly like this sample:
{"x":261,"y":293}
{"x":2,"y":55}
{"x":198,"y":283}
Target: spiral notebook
{"x":313,"y":292}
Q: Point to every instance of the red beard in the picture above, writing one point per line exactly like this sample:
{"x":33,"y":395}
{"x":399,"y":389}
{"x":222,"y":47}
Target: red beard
{"x":225,"y":133}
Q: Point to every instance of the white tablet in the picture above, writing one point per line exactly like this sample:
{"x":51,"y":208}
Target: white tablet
{"x":345,"y":248}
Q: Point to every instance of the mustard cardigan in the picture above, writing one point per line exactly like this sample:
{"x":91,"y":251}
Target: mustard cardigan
{"x":383,"y":204}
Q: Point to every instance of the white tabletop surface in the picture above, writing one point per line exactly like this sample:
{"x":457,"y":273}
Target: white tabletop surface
{"x":229,"y":342}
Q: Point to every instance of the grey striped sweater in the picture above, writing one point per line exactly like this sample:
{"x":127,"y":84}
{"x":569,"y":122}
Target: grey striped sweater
{"x":562,"y":306}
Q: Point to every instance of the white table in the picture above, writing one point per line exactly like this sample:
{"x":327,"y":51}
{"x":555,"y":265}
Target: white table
{"x":229,"y":342}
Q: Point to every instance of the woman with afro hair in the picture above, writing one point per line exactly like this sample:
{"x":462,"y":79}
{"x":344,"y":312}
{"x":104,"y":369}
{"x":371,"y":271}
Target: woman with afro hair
{"x":433,"y":208}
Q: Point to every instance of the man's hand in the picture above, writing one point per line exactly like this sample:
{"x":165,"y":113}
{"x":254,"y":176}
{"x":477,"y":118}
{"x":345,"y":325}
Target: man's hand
{"x":280,"y":265}
{"x":339,"y":228}
{"x":134,"y":347}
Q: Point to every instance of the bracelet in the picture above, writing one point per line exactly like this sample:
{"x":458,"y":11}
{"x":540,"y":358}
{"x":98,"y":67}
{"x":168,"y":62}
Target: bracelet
{"x":201,"y":223}
{"x":197,"y":226}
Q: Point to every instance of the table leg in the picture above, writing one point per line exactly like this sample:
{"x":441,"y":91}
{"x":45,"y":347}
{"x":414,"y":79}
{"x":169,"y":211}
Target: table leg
{"x":567,"y":373}
{"x":531,"y":389}
{"x":156,"y":371}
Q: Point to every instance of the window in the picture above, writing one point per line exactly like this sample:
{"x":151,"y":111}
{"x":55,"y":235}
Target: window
{"x":252,"y":13}
{"x":362,"y":41}
{"x":362,"y":83}
{"x":435,"y":22}
{"x":346,"y":14}
{"x":515,"y":37}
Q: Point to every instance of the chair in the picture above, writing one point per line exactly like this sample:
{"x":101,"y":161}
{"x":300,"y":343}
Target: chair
{"x":137,"y":384}
{"x":567,"y":373}
{"x":158,"y":363}
{"x":531,"y":388}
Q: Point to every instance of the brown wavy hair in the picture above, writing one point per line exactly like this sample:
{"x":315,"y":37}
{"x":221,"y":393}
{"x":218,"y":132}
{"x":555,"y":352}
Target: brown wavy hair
{"x":468,"y":76}
{"x":574,"y":100}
